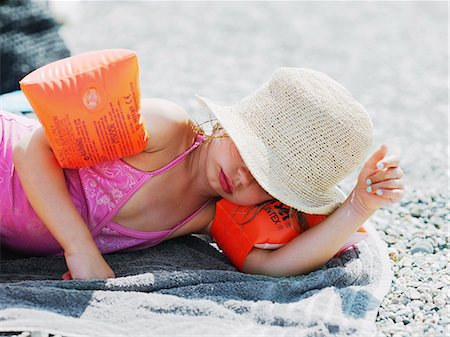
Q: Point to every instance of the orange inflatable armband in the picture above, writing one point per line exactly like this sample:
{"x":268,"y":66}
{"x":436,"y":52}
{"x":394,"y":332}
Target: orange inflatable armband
{"x":88,"y":105}
{"x":237,"y":229}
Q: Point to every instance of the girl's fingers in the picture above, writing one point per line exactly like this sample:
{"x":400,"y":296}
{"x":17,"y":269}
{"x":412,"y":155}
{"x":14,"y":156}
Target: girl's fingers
{"x":388,"y":162}
{"x":387,"y":184}
{"x":393,"y":195}
{"x":382,"y":176}
{"x":376,"y":159}
{"x":392,"y":173}
{"x":67,"y":276}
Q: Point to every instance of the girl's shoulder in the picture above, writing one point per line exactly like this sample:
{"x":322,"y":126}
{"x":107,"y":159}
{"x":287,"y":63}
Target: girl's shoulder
{"x":170,"y":131}
{"x":166,"y":123}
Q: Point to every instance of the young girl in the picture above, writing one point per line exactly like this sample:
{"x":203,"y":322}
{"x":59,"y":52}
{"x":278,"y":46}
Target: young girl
{"x":293,"y":139}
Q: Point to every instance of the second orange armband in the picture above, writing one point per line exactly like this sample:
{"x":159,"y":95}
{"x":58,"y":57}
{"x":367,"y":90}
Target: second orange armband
{"x":238,"y":229}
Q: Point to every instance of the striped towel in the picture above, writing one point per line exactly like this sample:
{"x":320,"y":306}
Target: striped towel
{"x":185,"y":287}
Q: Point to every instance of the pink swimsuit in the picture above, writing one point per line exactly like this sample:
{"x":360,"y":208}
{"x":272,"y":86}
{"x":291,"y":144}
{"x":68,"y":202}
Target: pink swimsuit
{"x":98,"y":193}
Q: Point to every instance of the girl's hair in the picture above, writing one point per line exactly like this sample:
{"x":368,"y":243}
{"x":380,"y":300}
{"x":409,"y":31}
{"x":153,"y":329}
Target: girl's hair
{"x":215,"y":126}
{"x":292,"y":213}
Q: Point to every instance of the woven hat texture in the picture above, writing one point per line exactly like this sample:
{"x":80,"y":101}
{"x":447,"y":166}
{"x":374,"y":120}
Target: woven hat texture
{"x":299,"y":134}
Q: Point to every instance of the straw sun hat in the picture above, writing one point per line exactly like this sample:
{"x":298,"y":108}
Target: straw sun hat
{"x":299,"y":134}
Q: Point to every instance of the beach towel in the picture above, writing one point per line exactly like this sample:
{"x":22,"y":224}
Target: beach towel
{"x":186,"y":287}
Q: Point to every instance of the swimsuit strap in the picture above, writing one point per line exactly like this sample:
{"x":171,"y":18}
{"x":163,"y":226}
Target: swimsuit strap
{"x":190,"y":217}
{"x":200,"y":139}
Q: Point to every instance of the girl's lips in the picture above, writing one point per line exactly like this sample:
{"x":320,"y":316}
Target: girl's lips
{"x":225,"y":183}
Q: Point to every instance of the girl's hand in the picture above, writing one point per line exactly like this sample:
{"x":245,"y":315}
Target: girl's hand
{"x":85,"y":264}
{"x":380,"y":182}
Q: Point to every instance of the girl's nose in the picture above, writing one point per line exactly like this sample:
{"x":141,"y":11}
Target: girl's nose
{"x":245,"y":177}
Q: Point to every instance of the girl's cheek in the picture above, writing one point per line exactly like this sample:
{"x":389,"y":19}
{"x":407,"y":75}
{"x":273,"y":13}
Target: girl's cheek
{"x":261,"y":194}
{"x":253,"y":198}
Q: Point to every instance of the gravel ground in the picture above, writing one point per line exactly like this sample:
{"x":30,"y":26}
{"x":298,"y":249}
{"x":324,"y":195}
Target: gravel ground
{"x":392,"y":56}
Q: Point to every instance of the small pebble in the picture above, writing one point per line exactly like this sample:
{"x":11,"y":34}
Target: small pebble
{"x":405,"y":300}
{"x":423,"y":246}
{"x":416,"y":210}
{"x":437,"y":221}
{"x":439,"y":301}
{"x":406,"y":262}
{"x":426,"y":297}
{"x":414,"y":295}
{"x":416,"y":304}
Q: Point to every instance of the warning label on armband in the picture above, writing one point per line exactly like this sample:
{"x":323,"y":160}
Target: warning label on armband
{"x":93,"y":137}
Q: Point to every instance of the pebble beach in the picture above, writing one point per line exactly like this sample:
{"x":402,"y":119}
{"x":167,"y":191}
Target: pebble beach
{"x":416,"y":233}
{"x":392,"y":57}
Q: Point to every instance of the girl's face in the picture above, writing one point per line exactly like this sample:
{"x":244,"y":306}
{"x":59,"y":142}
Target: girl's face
{"x":229,"y":176}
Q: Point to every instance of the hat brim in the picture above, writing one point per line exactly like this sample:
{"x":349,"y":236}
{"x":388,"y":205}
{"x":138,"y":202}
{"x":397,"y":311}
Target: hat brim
{"x":253,"y":151}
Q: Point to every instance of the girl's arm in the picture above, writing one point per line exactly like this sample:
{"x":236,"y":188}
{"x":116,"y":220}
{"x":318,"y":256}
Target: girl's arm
{"x":43,"y":182}
{"x":317,"y":245}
